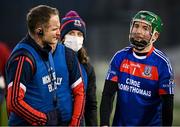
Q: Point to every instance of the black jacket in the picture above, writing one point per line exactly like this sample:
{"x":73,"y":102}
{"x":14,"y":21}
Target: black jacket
{"x":91,"y":101}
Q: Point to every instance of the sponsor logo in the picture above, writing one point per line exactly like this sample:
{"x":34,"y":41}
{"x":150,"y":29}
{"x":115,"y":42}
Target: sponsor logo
{"x":134,"y":86}
{"x":135,"y":65}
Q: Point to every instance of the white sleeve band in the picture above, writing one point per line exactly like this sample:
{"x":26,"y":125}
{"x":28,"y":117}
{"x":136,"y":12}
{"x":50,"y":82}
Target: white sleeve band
{"x":21,"y":85}
{"x":76,"y":83}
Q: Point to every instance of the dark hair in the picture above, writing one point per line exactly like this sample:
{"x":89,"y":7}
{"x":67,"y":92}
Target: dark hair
{"x":39,"y":17}
{"x":82,"y":56}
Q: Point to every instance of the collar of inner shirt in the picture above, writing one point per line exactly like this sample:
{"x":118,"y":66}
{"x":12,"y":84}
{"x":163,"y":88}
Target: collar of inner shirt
{"x":44,"y":52}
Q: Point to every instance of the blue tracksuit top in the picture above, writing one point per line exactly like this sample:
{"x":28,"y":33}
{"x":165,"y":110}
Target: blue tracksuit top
{"x":64,"y":93}
{"x":38,"y":92}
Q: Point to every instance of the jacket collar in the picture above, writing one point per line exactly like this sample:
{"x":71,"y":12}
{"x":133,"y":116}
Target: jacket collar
{"x":43,"y":52}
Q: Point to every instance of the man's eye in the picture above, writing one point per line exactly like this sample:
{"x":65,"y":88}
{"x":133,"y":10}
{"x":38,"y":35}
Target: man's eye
{"x":145,"y":28}
{"x":136,"y":25}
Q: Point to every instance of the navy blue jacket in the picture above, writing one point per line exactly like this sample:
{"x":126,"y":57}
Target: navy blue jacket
{"x":33,"y":86}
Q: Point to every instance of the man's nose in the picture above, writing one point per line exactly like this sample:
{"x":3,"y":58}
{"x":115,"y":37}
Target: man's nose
{"x":58,"y":32}
{"x":139,"y":30}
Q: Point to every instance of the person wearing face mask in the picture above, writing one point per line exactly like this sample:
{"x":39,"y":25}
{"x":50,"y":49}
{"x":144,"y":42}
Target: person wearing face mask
{"x":73,"y":34}
{"x":143,"y":78}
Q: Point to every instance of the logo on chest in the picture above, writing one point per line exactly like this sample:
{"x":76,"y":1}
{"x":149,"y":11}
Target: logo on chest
{"x":147,"y":71}
{"x":139,"y":69}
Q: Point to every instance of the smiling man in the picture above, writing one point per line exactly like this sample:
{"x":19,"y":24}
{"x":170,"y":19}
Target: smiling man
{"x":143,"y":78}
{"x":29,"y":101}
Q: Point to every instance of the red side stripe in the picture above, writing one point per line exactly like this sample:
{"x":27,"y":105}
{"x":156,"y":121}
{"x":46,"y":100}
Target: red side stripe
{"x":18,"y":86}
{"x":14,"y":87}
{"x":82,"y":111}
{"x":31,"y":63}
{"x":79,"y":95}
{"x":16,"y":58}
{"x":83,"y":105}
{"x":21,"y":106}
{"x":9,"y":107}
{"x":16,"y":90}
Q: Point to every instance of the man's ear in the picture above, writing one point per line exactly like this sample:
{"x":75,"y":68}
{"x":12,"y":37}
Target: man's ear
{"x":39,"y":31}
{"x":155,"y":36}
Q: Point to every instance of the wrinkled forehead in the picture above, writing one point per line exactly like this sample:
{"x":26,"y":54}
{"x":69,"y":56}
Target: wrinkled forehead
{"x":53,"y":21}
{"x":142,"y":22}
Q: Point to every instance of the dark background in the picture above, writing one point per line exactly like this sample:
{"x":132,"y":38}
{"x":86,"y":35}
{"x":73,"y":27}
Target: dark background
{"x":107,"y":21}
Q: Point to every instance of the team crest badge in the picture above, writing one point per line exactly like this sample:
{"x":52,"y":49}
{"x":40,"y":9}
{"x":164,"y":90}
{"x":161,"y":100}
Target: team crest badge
{"x":147,"y":71}
{"x":77,"y":23}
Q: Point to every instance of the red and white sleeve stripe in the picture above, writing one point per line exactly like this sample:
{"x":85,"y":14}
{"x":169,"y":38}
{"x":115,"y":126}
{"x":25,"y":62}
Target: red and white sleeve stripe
{"x":79,"y":102}
{"x":15,"y":96}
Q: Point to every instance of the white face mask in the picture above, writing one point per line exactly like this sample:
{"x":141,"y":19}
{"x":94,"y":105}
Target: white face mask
{"x":73,"y":42}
